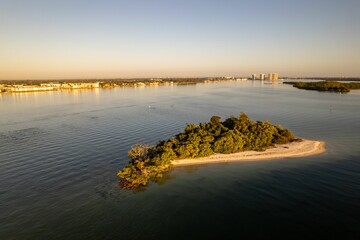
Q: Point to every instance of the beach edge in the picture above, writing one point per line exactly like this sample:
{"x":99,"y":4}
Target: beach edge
{"x":290,"y":150}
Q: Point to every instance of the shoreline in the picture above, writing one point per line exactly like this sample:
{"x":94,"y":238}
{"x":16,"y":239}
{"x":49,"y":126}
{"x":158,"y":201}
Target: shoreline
{"x":289,"y":150}
{"x":22,"y":86}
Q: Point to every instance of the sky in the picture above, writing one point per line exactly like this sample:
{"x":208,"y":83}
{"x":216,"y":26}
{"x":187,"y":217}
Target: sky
{"x":47,"y":39}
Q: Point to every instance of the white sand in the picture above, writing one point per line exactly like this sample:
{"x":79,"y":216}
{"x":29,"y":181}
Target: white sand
{"x":295,"y":149}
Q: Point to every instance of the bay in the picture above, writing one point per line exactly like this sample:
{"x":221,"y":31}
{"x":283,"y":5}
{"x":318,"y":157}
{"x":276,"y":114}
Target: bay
{"x":60,"y":152}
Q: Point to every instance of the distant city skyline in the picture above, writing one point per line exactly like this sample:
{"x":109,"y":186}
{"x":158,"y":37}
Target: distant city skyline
{"x":143,"y":39}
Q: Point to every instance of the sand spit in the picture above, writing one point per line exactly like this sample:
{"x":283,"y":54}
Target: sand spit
{"x":294,"y":149}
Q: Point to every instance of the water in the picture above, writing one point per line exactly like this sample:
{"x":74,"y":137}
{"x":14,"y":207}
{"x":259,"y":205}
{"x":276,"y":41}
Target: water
{"x":60,"y":151}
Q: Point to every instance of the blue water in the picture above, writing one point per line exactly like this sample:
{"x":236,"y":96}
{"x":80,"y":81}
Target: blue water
{"x":60,"y":152}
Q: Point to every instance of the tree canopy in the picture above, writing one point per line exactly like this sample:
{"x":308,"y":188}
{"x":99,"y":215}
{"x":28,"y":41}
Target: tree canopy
{"x":235,"y":134}
{"x":327,"y":86}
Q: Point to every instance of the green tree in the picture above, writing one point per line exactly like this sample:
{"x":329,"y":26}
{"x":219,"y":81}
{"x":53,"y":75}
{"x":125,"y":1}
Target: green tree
{"x":230,"y":136}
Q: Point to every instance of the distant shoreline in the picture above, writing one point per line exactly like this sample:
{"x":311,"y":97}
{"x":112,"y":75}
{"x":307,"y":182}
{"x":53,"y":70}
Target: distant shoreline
{"x":49,"y":86}
{"x":19,"y":86}
{"x":290,"y":150}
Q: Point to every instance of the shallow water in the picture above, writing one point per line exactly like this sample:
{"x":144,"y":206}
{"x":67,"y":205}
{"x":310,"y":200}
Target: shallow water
{"x":60,"y":151}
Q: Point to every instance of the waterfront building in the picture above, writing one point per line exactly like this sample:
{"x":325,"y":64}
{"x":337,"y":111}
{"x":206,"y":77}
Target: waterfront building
{"x":253,"y":77}
{"x":80,"y":85}
{"x":273,"y":76}
{"x":54,"y":85}
{"x":30,"y":88}
{"x":154,"y":83}
{"x":262,"y":76}
{"x":139,"y":84}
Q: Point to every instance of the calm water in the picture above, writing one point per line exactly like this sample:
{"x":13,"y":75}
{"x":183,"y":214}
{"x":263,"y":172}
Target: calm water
{"x":60,"y":151}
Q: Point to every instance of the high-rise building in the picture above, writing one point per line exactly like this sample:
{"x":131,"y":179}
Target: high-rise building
{"x":273,"y":76}
{"x":262,"y":76}
{"x":253,"y":77}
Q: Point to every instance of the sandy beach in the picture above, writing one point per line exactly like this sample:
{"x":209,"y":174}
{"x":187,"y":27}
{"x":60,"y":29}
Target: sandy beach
{"x":294,"y":149}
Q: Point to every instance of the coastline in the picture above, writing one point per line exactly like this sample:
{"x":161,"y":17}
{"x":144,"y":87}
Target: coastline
{"x":290,"y":150}
{"x":21,"y":86}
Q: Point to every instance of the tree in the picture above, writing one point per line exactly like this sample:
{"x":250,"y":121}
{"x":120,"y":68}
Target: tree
{"x":138,"y":151}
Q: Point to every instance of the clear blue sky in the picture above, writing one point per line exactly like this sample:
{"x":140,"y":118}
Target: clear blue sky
{"x":143,"y":38}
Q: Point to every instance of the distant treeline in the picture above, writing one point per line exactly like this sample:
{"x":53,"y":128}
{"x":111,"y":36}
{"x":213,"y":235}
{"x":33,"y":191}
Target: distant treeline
{"x":119,"y":81}
{"x":326,"y":86}
{"x":339,"y":79}
{"x":235,"y":134}
{"x":38,"y":82}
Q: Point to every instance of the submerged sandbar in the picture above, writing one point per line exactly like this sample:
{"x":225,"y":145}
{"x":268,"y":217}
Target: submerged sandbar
{"x":293,"y":149}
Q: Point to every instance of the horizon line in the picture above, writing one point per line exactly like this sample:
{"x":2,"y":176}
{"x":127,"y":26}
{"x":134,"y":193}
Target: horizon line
{"x":169,"y":77}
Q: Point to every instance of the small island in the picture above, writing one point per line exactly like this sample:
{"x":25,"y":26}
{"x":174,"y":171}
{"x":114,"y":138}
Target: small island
{"x":326,"y":86}
{"x":235,"y":139}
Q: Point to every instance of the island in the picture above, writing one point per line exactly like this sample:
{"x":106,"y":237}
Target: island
{"x":235,"y":139}
{"x":326,"y":86}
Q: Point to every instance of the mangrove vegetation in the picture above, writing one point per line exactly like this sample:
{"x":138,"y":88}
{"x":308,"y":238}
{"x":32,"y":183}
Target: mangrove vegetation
{"x":326,"y":86}
{"x":235,"y":134}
